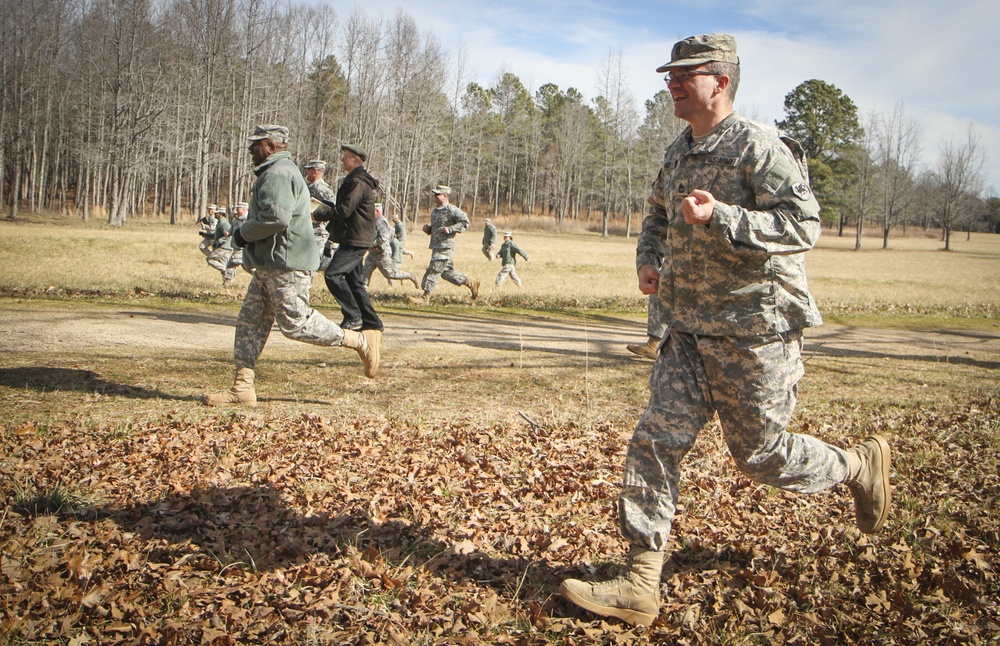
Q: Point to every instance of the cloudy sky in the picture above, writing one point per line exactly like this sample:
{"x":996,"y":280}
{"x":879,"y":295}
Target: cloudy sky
{"x":937,"y":58}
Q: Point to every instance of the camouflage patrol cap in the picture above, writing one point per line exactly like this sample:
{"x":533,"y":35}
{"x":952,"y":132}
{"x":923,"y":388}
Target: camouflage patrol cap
{"x":441,"y":189}
{"x":211,"y":207}
{"x":698,"y":50}
{"x":316,"y":163}
{"x":508,"y":234}
{"x":242,"y":205}
{"x":220,"y":209}
{"x":270,"y":131}
{"x":357,"y":150}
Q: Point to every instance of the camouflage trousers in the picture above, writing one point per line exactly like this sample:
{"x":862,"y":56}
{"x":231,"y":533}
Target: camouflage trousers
{"x":489,"y":251}
{"x":750,"y":382}
{"x":441,"y":267}
{"x":508,"y":270}
{"x":656,"y":324}
{"x":382,"y":259}
{"x":219,"y":259}
{"x":279,"y":296}
{"x":205,"y":246}
{"x":236,"y":260}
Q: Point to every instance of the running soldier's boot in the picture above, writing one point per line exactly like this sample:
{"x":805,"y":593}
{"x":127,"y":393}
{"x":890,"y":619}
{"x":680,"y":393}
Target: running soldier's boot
{"x":242,"y":391}
{"x":650,"y":349}
{"x":868,"y":480}
{"x":633,"y":598}
{"x":423,"y":299}
{"x":368,"y":344}
{"x":413,"y":279}
{"x":473,"y":286}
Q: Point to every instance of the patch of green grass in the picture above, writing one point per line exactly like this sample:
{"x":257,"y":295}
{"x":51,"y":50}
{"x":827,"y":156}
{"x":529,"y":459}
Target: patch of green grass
{"x":48,"y":501}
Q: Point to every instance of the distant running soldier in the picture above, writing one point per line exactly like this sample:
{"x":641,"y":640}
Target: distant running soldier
{"x":509,"y":251}
{"x":447,"y":221}
{"x":398,"y":243}
{"x":206,"y":230}
{"x":380,"y":254}
{"x":222,"y":248}
{"x":489,"y":239}
{"x":239,"y":217}
{"x":320,"y":190}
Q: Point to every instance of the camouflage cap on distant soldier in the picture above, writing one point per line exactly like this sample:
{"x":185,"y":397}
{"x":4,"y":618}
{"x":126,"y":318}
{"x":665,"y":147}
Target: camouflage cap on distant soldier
{"x":698,"y":50}
{"x":278,"y":134}
{"x":318,"y":164}
{"x":441,"y":189}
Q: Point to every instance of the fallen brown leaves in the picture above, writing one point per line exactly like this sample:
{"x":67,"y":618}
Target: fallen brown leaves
{"x":255,"y":529}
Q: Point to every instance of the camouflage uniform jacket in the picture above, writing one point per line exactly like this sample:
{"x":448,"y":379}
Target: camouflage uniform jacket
{"x":278,"y":229}
{"x":383,"y":234}
{"x":744,"y":273}
{"x":322,"y":191}
{"x":446,"y":217}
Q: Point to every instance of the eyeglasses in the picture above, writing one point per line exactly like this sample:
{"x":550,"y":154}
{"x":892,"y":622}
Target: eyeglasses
{"x":682,"y":75}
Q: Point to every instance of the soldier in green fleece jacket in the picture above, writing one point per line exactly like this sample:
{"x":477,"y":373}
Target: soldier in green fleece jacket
{"x":509,"y":251}
{"x":278,"y":245}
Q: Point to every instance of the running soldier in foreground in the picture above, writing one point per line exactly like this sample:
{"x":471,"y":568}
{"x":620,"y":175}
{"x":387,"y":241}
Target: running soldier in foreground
{"x":734,"y":215}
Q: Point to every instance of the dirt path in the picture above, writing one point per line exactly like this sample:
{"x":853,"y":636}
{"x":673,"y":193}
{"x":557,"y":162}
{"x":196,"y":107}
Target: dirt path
{"x":30,"y":327}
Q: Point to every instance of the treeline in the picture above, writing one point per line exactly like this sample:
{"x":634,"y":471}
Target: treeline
{"x":125,"y":108}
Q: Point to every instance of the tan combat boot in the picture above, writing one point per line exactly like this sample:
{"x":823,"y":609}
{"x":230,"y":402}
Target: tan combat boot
{"x":633,"y":598}
{"x":242,"y":391}
{"x":423,"y":299}
{"x":650,"y":349}
{"x":473,"y":286}
{"x":868,"y":480}
{"x":368,"y":343}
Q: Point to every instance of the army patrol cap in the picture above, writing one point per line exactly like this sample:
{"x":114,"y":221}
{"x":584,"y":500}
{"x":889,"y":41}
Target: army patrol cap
{"x":441,"y":189}
{"x":508,"y":234}
{"x":278,"y":134}
{"x":242,"y":205}
{"x":357,"y":150}
{"x":698,"y":50}
{"x":220,"y":209}
{"x":316,"y":163}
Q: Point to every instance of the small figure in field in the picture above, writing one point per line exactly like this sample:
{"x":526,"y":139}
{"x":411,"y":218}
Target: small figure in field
{"x":278,"y":246}
{"x":489,"y":239}
{"x":236,"y":258}
{"x":321,"y":191}
{"x":222,"y":248}
{"x":509,"y":251}
{"x":380,"y":255}
{"x":398,"y":242}
{"x":206,"y":229}
{"x":733,"y":214}
{"x":447,"y":221}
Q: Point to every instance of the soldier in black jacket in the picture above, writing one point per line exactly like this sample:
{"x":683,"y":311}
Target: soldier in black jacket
{"x":352,"y":226}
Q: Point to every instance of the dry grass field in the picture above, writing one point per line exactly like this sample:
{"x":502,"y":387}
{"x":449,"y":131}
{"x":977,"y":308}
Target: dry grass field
{"x":442,"y":502}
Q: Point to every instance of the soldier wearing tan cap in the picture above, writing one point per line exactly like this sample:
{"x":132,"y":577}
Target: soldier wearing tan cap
{"x":731,"y":215}
{"x":447,"y":221}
